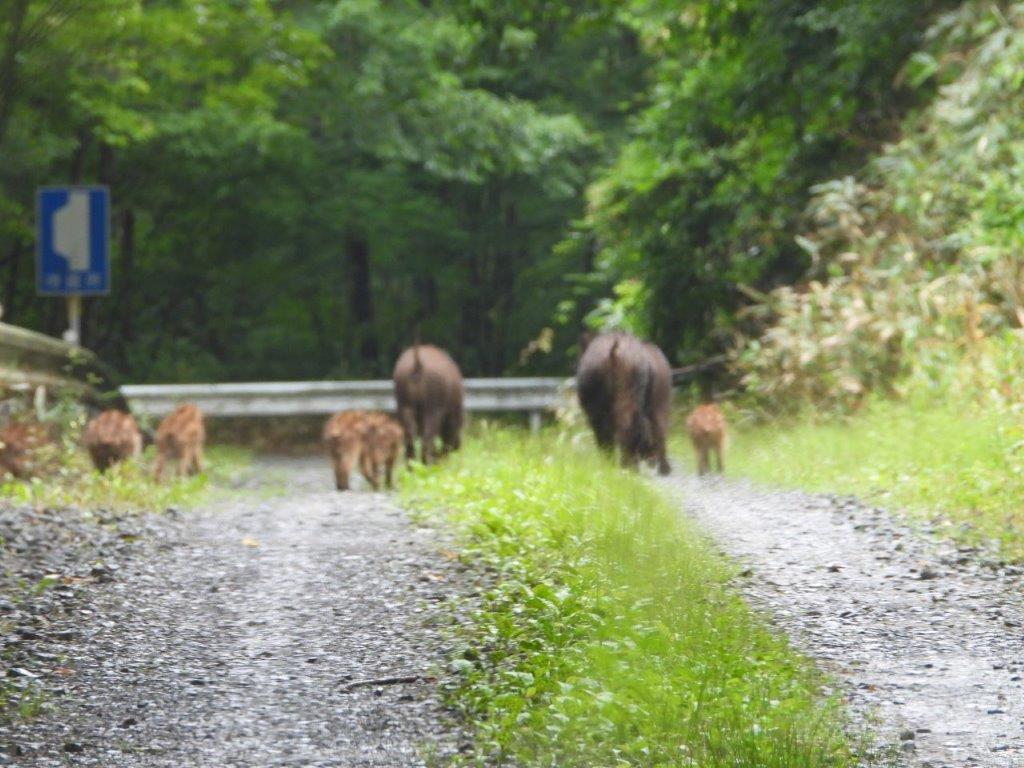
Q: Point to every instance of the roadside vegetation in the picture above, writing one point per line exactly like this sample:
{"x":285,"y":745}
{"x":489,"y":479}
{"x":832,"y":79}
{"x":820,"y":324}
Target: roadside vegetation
{"x":607,"y":633}
{"x":128,"y":486}
{"x":60,"y":474}
{"x":955,"y":466}
{"x":892,"y":371}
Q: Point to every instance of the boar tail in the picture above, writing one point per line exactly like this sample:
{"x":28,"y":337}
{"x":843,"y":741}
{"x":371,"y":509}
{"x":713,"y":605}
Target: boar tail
{"x":417,"y":364}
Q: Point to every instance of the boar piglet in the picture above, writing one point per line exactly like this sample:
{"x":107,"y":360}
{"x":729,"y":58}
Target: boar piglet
{"x":111,"y":437}
{"x":382,"y":442}
{"x":706,"y":426}
{"x":18,"y":443}
{"x":180,"y":437}
{"x":343,"y":440}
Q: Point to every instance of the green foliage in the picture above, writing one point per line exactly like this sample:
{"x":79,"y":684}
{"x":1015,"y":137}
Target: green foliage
{"x":918,"y":263}
{"x":125,"y":486}
{"x":751,"y":103}
{"x":608,"y":634}
{"x":297,"y":185}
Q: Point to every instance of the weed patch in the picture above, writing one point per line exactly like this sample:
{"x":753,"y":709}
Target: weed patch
{"x":958,"y":465}
{"x":125,"y":486}
{"x":608,"y":634}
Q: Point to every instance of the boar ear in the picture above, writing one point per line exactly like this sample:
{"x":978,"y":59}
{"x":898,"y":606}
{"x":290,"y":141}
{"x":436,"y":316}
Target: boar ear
{"x":613,"y":352}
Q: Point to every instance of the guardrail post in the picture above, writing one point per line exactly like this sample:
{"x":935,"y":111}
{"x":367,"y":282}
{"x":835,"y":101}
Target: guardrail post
{"x":535,"y":422}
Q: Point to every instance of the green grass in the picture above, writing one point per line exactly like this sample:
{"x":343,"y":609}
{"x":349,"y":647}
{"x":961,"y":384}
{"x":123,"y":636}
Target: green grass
{"x":608,"y":633}
{"x":126,"y":486}
{"x":957,"y":465}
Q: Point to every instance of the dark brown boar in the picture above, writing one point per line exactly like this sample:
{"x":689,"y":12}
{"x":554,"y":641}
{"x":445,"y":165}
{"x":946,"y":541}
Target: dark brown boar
{"x":706,"y":426}
{"x":110,"y":437}
{"x":343,"y":439}
{"x":625,"y":388}
{"x":382,"y":442}
{"x":180,"y":437}
{"x":428,"y":391}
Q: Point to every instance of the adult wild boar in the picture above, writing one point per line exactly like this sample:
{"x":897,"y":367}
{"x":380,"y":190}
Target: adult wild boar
{"x":625,"y":387}
{"x":111,"y":437}
{"x":428,"y":391}
{"x":180,"y":437}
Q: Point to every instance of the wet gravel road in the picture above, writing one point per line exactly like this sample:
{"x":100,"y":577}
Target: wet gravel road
{"x":925,"y":640}
{"x":251,"y":634}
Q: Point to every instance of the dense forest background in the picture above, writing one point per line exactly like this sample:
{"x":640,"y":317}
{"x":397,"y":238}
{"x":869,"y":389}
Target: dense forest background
{"x":298,"y":184}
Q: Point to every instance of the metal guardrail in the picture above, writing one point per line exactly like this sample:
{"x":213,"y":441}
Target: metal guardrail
{"x":30,"y":360}
{"x":298,"y":398}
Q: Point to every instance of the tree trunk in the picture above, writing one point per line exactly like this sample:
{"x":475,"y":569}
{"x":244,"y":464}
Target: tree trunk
{"x":78,"y":156}
{"x":358,"y":253}
{"x":11,"y":287}
{"x":106,"y":164}
{"x":91,"y":311}
{"x":121,"y":321}
{"x":9,"y":64}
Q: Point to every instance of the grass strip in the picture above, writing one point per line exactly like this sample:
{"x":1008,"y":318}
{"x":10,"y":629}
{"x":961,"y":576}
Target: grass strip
{"x":957,"y":466}
{"x":608,"y":634}
{"x":127,"y":486}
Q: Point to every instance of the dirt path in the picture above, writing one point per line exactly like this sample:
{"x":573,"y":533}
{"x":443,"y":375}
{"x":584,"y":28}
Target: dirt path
{"x":247,"y":636}
{"x":926,"y":641}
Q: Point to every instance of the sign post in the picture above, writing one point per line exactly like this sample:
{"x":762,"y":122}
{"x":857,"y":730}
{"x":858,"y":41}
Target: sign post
{"x":73,"y":247}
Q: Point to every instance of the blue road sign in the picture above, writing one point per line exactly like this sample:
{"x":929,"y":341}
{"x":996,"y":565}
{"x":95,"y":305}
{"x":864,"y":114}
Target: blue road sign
{"x":73,"y":241}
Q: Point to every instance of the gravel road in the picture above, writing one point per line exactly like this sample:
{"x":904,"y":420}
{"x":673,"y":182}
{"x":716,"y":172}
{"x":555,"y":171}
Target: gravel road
{"x":924,"y":639}
{"x":248,"y":634}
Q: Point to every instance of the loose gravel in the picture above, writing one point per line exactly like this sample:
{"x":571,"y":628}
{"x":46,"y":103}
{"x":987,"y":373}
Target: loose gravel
{"x":303,"y":628}
{"x":285,"y":630}
{"x":924,"y":638}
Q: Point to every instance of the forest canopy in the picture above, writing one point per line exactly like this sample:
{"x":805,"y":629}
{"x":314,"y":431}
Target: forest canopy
{"x":298,"y":185}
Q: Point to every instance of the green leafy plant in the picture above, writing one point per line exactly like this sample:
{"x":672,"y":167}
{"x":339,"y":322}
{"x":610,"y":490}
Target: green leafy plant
{"x":607,"y":633}
{"x":918,"y":263}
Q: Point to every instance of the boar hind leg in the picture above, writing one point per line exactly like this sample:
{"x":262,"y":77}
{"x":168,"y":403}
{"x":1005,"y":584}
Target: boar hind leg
{"x":408,"y":418}
{"x":702,"y":460}
{"x":196,"y":464}
{"x":389,"y":471}
{"x":158,"y":468}
{"x":370,"y":471}
{"x":340,"y":477}
{"x":431,"y":431}
{"x":660,"y":451}
{"x":341,"y":469}
{"x":664,"y":468}
{"x":718,"y":459}
{"x":451,"y":430}
{"x":604,"y":435}
{"x":184,"y":462}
